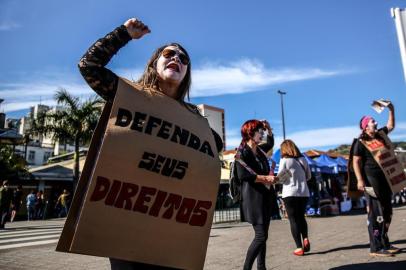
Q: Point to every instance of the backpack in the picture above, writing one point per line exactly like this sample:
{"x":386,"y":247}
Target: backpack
{"x":235,"y":184}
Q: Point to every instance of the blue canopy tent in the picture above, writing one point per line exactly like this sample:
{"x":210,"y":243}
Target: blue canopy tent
{"x":342,"y":163}
{"x":314,"y":167}
{"x":327,"y":164}
{"x":277,"y":158}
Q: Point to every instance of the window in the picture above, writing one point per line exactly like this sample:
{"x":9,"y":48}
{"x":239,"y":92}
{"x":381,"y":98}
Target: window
{"x":31,"y":155}
{"x":47,"y":155}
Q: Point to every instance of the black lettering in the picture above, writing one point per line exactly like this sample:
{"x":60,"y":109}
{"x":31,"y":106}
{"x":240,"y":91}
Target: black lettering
{"x":163,"y":131}
{"x":147,"y":161}
{"x":157,"y":165}
{"x":139,"y":120}
{"x":123,"y":118}
{"x":194,"y":141}
{"x":180,"y":135}
{"x":206,"y":148}
{"x":180,"y":170}
{"x":152,"y":123}
{"x":169,"y":166}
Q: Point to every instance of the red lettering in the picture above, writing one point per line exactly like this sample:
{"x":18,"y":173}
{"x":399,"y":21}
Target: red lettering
{"x":127,"y":191}
{"x":111,"y":197}
{"x":398,"y":178}
{"x":384,"y":156}
{"x":172,"y":202}
{"x":389,"y":163}
{"x":144,"y":196}
{"x":200,"y":214}
{"x":185,"y":210}
{"x":101,"y":189}
{"x":159,"y":200}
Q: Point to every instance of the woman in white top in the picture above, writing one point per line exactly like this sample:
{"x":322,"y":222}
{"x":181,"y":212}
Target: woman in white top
{"x":295,"y":193}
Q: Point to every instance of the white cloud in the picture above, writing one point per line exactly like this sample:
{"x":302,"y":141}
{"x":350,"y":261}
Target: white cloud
{"x":323,"y":138}
{"x":7,"y":26}
{"x":248,"y":75}
{"x":208,"y":80}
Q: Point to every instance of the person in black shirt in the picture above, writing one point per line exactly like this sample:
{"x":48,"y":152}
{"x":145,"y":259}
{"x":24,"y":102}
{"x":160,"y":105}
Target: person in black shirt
{"x":168,"y":71}
{"x":371,"y":179}
{"x":257,"y":192}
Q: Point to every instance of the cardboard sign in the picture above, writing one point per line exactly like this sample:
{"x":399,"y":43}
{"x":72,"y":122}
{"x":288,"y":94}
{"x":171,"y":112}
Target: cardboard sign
{"x":387,"y":160}
{"x":148,"y":190}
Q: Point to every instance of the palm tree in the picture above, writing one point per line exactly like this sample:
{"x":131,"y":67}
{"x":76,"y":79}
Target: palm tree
{"x":75,"y":122}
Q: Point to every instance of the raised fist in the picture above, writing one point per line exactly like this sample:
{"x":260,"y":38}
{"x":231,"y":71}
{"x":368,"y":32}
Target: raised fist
{"x":136,"y":28}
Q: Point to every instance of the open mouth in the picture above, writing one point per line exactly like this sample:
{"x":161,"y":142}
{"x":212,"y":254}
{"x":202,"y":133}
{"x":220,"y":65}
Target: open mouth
{"x":173,"y":66}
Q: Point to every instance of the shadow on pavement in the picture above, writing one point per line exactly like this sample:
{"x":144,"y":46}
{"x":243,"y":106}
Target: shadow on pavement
{"x":361,"y":246}
{"x":401,"y":265}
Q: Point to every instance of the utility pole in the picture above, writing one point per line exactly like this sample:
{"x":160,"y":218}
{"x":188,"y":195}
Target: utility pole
{"x":283,"y":114}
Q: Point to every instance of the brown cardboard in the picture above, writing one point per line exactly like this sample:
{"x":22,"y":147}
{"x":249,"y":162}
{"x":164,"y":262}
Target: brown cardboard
{"x":148,"y":214}
{"x":387,"y":160}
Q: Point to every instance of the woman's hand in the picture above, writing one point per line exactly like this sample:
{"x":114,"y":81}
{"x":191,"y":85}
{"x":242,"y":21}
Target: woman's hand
{"x":136,"y":28}
{"x":267,"y":126}
{"x":361,"y":185}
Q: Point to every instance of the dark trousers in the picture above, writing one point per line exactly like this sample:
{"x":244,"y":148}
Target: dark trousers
{"x":296,"y":207}
{"x":257,"y":249}
{"x":379,"y":219}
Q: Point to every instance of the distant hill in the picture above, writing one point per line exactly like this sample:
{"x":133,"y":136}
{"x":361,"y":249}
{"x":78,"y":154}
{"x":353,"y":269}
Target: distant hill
{"x":345,"y":148}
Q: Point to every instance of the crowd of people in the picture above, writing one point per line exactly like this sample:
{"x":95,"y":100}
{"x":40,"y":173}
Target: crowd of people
{"x":37,"y":207}
{"x":169,"y":72}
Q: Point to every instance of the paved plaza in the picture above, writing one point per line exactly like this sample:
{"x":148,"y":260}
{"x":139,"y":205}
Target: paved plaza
{"x":339,"y":242}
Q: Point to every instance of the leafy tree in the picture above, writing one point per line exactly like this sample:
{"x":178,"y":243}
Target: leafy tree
{"x":74,"y":122}
{"x":11,"y":165}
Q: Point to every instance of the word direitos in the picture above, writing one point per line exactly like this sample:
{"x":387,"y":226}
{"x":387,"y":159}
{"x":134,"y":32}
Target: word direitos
{"x":150,"y":201}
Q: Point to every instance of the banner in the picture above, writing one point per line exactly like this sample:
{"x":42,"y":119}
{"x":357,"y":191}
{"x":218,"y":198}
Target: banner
{"x":387,"y":160}
{"x":399,"y":15}
{"x":148,"y":190}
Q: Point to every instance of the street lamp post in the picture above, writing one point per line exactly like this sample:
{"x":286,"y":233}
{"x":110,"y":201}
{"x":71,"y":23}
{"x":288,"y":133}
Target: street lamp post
{"x":283,"y":114}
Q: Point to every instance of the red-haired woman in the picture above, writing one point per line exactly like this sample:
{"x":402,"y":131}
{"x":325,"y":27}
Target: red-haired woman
{"x":257,"y":192}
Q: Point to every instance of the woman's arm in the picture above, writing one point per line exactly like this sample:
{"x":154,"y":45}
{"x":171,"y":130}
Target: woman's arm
{"x":93,"y":62}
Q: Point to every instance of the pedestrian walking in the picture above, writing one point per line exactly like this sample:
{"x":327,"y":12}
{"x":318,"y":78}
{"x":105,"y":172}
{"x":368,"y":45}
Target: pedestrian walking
{"x":63,"y":203}
{"x":371,"y":180}
{"x":5,"y":201}
{"x":257,"y":192}
{"x":168,"y":71}
{"x":295,"y":194}
{"x":31,"y":200}
{"x":39,"y":205}
{"x":16,"y":202}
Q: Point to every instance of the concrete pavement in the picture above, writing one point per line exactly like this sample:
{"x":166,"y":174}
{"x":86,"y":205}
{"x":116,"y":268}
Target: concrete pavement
{"x":339,"y":242}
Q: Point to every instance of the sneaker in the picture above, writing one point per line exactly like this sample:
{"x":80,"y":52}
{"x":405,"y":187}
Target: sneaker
{"x":298,"y":252}
{"x":393,"y":249}
{"x":381,"y":253}
{"x":306,"y":245}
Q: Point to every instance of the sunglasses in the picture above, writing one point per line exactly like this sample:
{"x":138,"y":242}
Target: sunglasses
{"x":169,"y":53}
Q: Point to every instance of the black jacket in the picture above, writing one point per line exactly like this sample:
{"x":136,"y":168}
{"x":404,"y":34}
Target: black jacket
{"x":257,"y":200}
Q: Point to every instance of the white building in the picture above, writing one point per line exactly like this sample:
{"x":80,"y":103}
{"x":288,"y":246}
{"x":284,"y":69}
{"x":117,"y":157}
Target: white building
{"x":216,"y":119}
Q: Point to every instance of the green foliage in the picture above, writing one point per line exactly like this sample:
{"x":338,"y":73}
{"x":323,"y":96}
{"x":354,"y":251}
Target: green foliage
{"x":75,"y":122}
{"x":11,"y":165}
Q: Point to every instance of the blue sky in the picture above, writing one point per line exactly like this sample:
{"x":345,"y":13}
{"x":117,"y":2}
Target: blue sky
{"x":331,"y":57}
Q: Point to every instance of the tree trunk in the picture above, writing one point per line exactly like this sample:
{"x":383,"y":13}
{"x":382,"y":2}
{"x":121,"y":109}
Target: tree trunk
{"x":76,"y":160}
